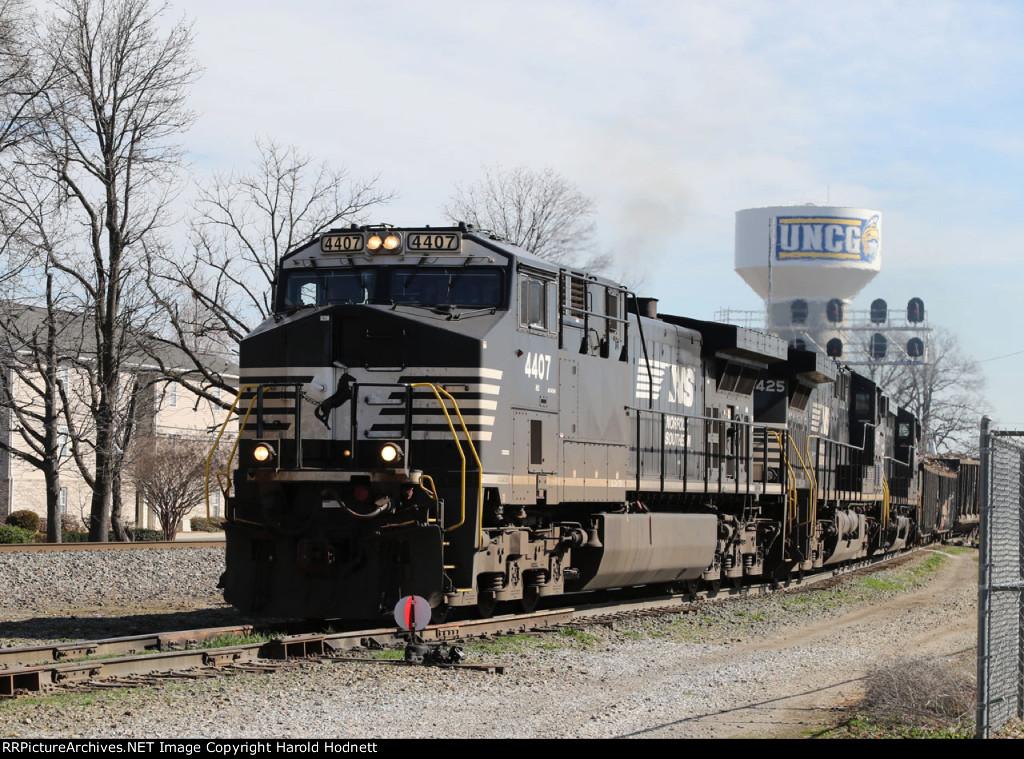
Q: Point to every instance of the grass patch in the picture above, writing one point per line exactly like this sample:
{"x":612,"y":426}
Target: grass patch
{"x":569,"y":637}
{"x":504,"y":644}
{"x":813,"y":600}
{"x":14,"y":713}
{"x":932,"y":563}
{"x":389,"y":654}
{"x":956,"y":550}
{"x":865,"y":727}
{"x":688,"y":629}
{"x":229,"y":639}
{"x":577,"y":638}
{"x":901,"y":579}
{"x":877,"y":583}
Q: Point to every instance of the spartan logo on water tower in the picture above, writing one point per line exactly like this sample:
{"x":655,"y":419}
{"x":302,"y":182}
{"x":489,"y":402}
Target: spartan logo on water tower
{"x":827,"y":238}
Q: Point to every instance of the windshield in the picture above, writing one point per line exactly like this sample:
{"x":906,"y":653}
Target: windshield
{"x":325,"y":287}
{"x":476,"y":287}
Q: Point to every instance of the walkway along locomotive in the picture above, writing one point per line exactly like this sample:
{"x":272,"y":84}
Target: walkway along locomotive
{"x":434,"y":411}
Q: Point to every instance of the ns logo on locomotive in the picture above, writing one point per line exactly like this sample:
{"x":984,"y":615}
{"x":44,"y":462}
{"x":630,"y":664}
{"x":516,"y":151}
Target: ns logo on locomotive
{"x":436,"y":412}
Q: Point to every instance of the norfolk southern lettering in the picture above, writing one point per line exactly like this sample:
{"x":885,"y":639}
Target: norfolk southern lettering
{"x":826,"y":237}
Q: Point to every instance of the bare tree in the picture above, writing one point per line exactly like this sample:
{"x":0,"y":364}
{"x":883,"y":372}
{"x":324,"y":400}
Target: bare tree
{"x":113,"y":109}
{"x":540,"y":211}
{"x":170,"y":476}
{"x":21,"y":84}
{"x":945,"y":393}
{"x":36,"y":344}
{"x":41,"y":338}
{"x":244,"y":222}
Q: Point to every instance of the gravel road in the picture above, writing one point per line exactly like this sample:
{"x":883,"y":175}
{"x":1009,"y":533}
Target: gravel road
{"x":769,"y":667}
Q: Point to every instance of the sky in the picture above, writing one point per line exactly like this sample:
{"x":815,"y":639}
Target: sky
{"x":673,"y":116}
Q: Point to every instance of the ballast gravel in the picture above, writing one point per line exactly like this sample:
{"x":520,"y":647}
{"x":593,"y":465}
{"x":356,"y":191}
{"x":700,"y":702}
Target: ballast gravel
{"x":74,"y":595}
{"x":773,"y":666}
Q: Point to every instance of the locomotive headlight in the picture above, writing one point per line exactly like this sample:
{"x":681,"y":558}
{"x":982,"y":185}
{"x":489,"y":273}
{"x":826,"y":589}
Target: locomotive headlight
{"x":262,"y":453}
{"x":390,"y":453}
{"x":391,"y":242}
{"x":374,"y":242}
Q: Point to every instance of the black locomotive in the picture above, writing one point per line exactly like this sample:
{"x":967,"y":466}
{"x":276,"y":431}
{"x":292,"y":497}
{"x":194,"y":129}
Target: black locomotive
{"x":434,"y":411}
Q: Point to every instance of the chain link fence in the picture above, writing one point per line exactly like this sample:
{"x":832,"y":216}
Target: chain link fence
{"x":1000,"y":624}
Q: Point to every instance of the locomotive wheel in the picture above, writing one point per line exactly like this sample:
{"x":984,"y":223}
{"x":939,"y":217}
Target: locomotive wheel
{"x":439,"y":614}
{"x":691,"y":587}
{"x":486,"y":603}
{"x":713,"y":587}
{"x":531,"y":596}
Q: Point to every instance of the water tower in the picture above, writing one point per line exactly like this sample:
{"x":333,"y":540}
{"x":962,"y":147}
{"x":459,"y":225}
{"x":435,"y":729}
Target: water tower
{"x":807,"y":263}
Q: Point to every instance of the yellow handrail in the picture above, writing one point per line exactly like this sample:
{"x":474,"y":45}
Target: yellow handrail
{"x":225,"y":489}
{"x":810,"y":478}
{"x":480,"y":489}
{"x":791,"y":498}
{"x":885,"y":502}
{"x":479,"y":468}
{"x":432,"y":490}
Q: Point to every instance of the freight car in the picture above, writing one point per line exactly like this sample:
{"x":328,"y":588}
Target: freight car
{"x":434,"y":411}
{"x":949,"y":499}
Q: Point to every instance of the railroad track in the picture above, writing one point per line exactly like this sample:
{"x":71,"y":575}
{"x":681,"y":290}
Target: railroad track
{"x":137,"y":660}
{"x":110,"y":546}
{"x":141,"y":658}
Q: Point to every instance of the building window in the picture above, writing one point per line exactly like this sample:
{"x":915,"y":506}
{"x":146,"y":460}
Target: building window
{"x":62,"y":442}
{"x":215,"y":503}
{"x":65,"y":377}
{"x":172,"y":395}
{"x":62,"y":502}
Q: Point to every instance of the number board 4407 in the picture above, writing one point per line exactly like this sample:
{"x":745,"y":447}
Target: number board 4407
{"x":433,"y":242}
{"x":342,"y":243}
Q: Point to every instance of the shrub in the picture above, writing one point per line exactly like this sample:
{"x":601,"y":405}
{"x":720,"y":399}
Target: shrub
{"x":26,"y":520}
{"x":915,"y":691}
{"x":202,"y":524}
{"x":11,"y":534}
{"x":74,"y":536}
{"x":142,"y":535}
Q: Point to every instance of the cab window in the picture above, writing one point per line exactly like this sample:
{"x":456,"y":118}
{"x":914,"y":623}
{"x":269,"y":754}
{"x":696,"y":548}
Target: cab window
{"x":534,"y":302}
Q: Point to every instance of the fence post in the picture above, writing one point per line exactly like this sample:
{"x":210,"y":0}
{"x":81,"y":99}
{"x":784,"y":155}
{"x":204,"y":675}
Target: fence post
{"x":981,"y":724}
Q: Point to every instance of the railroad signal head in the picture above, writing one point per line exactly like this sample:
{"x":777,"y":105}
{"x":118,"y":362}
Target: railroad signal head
{"x":879,"y":311}
{"x":834,"y":348}
{"x":798,"y":311}
{"x":915,"y":311}
{"x":915,"y":347}
{"x":878,"y":346}
{"x":834,"y":311}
